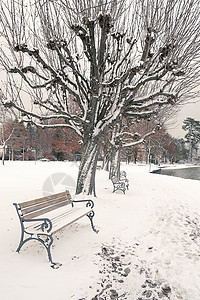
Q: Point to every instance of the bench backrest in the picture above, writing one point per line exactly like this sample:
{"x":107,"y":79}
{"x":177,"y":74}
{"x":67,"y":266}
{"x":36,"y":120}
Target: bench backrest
{"x":123,"y":174}
{"x":115,"y":179}
{"x":34,"y":208}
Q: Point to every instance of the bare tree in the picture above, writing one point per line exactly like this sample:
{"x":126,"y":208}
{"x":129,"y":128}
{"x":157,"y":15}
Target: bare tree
{"x":192,"y":136}
{"x":126,"y":135}
{"x":5,"y":133}
{"x":111,"y":58}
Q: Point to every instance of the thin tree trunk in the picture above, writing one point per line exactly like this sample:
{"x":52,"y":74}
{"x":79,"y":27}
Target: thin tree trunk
{"x":106,"y":161}
{"x":3,"y":155}
{"x":190,"y":153}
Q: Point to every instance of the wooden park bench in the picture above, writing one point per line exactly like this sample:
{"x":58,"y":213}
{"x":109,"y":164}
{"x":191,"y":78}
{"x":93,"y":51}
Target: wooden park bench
{"x":118,"y":184}
{"x":42,"y":217}
{"x":121,"y":183}
{"x":123,"y":176}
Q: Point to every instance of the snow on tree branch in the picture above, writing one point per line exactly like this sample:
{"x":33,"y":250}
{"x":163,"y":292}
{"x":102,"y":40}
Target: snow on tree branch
{"x":95,"y":62}
{"x":140,"y":141}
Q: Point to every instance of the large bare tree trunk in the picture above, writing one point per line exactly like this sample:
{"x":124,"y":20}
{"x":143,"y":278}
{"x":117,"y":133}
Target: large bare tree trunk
{"x":87,"y":169}
{"x":115,"y":162}
{"x":106,"y":161}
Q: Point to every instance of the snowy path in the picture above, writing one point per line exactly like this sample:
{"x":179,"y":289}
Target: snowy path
{"x":160,"y":262}
{"x":148,"y":246}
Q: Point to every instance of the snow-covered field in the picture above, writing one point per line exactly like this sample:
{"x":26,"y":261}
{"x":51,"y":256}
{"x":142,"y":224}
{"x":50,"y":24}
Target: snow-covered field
{"x":148,"y":245}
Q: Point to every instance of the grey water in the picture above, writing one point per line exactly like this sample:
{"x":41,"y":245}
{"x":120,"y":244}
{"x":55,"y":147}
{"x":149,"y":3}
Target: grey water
{"x":187,"y":173}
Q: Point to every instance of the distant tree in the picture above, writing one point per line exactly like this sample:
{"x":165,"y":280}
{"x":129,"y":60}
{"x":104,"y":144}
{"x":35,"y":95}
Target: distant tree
{"x":147,"y":128}
{"x":73,"y":143}
{"x":6,"y":128}
{"x":181,"y":150}
{"x":122,"y":140}
{"x":127,"y":135}
{"x":54,"y":143}
{"x":18,"y":142}
{"x":170,"y":149}
{"x":58,"y":143}
{"x":43,"y":143}
{"x":161,"y":146}
{"x":111,"y":58}
{"x":32,"y":135}
{"x":192,"y":136}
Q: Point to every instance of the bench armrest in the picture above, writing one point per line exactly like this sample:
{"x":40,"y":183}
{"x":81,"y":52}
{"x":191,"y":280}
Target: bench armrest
{"x":46,"y":224}
{"x":89,"y":203}
{"x":124,"y":179}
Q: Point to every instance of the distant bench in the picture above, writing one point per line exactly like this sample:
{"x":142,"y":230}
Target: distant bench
{"x":121,"y":183}
{"x":55,"y":212}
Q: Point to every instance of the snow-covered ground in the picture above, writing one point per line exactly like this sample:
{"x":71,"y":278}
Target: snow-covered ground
{"x":148,"y":245}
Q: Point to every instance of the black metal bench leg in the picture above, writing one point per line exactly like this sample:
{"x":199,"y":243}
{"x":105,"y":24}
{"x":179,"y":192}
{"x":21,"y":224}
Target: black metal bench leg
{"x":47,"y":241}
{"x":119,"y":187}
{"x":90,"y":216}
{"x":114,"y":188}
{"x":24,"y":240}
{"x":21,"y":241}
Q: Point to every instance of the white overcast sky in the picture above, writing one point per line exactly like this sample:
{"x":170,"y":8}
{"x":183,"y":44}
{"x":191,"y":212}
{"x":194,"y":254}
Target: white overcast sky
{"x":192,"y":110}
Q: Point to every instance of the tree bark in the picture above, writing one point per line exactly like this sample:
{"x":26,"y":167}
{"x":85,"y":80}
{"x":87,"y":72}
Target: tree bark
{"x":106,"y":161}
{"x":87,"y":169}
{"x":115,"y":162}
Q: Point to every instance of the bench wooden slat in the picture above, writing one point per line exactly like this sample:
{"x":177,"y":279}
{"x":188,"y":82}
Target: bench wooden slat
{"x":65,"y":218}
{"x":44,"y":199}
{"x":48,"y":203}
{"x":44,"y":210}
{"x":70,"y":221}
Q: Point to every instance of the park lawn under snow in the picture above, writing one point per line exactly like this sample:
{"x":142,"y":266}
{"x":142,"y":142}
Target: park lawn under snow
{"x":148,"y":245}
